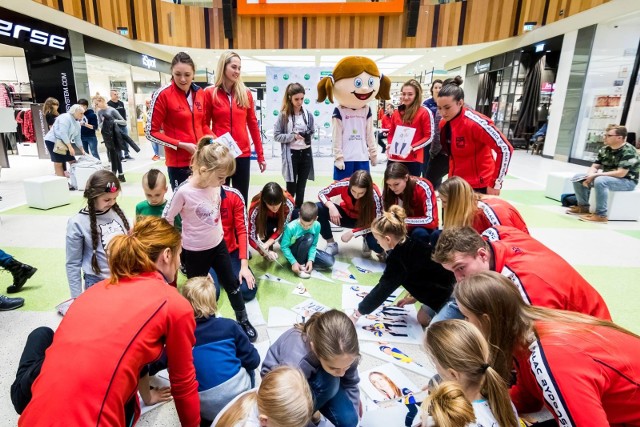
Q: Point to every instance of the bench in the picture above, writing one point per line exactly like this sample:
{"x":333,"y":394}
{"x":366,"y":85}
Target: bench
{"x":621,"y":206}
{"x":46,"y":192}
{"x":558,"y":183}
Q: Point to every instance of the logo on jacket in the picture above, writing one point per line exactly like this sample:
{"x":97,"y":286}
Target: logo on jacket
{"x":460,"y":141}
{"x":516,"y":250}
{"x":198,"y":106}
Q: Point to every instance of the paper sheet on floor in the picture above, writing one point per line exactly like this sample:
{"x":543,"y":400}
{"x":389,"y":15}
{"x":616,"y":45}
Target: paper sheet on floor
{"x":309,"y":307}
{"x":274,"y":278}
{"x":352,"y":295}
{"x":279,"y":317}
{"x":394,"y":353}
{"x":343,"y":276}
{"x":317,"y":275}
{"x":255,"y":313}
{"x":391,"y":324}
{"x":301,"y":290}
{"x":368,"y":265}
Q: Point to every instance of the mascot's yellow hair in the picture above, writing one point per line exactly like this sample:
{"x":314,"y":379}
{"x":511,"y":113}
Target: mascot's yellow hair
{"x":353,"y":66}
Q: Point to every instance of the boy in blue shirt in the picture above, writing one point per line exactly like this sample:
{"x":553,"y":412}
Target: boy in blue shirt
{"x":300,"y":241}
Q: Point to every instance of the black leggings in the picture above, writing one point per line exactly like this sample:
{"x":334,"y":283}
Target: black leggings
{"x":178,"y":175}
{"x":38,"y":342}
{"x":198,"y":263}
{"x":240,"y":179}
{"x":301,"y":162}
{"x":437,"y":168}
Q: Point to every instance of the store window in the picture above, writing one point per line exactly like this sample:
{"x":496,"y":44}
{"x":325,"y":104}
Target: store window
{"x":605,"y":91}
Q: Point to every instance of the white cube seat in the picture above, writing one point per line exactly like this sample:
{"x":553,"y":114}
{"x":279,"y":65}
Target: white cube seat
{"x":558,"y":183}
{"x":46,"y":192}
{"x":621,"y":206}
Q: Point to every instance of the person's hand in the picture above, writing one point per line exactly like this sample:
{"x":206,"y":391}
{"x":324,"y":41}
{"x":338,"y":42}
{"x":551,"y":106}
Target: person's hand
{"x":493,"y":191}
{"x":588,"y":180}
{"x":268,"y":243}
{"x":347,"y":236}
{"x":308,"y":267}
{"x":339,"y":164}
{"x":272,"y":256}
{"x":296,"y":268}
{"x":263,"y":166}
{"x":406,"y":301}
{"x":245,"y":274}
{"x":374,"y":160}
{"x":334,"y":215}
{"x":157,"y":395}
{"x":298,"y":137}
{"x":355,"y":316}
{"x":189,"y":148}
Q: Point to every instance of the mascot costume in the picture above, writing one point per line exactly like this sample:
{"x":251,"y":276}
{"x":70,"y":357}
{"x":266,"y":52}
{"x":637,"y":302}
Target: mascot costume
{"x":354,"y":83}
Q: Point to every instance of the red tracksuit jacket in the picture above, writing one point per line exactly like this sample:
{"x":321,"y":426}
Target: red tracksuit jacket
{"x":350,"y":206}
{"x":424,"y":126}
{"x":386,"y":121}
{"x":108,"y":335}
{"x":473,"y":139}
{"x":543,"y":277}
{"x":171,"y":120}
{"x":253,"y":214}
{"x":233,"y":213}
{"x":225,"y":115}
{"x":494,"y":211}
{"x":424,"y":204}
{"x":587,"y":376}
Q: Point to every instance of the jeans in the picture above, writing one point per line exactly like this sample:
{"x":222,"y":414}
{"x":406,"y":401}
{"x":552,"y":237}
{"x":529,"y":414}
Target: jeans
{"x":602,"y":185}
{"x":382,"y":141}
{"x":5,"y":258}
{"x":90,"y":280}
{"x":345,"y":221}
{"x":421,"y":233}
{"x":301,"y":161}
{"x":240,"y":179}
{"x":178,"y":175}
{"x":415,"y":168}
{"x":331,"y":400}
{"x":90,"y":144}
{"x":38,"y":341}
{"x":448,"y":311}
{"x":156,"y":148}
{"x":247,"y":294}
{"x":300,"y":251}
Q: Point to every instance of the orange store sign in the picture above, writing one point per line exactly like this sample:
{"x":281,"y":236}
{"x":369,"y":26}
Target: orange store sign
{"x":318,"y":7}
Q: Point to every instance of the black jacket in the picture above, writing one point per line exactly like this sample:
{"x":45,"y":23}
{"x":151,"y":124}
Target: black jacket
{"x":409,"y":264}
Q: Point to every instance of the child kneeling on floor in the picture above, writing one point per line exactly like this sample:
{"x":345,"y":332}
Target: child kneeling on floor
{"x":223,"y":356}
{"x":299,"y":243}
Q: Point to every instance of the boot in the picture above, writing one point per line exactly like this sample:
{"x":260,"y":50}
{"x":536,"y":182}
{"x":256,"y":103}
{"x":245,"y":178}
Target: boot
{"x":21,"y":273}
{"x":247,"y":327}
{"x":7,"y":303}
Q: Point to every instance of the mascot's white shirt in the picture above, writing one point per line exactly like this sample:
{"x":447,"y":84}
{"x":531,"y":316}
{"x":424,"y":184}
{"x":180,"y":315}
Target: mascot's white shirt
{"x":354,"y":132}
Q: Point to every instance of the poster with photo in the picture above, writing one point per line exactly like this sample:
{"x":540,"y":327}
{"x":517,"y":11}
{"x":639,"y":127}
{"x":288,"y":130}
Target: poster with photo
{"x":391,"y":324}
{"x":308,"y":308}
{"x":399,"y":356}
{"x":352,"y":295}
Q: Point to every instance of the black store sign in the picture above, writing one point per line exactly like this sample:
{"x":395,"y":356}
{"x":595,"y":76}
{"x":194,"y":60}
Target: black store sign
{"x":48,"y":56}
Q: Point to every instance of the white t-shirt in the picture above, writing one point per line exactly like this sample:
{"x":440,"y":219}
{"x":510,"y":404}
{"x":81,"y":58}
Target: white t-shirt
{"x":299,"y":126}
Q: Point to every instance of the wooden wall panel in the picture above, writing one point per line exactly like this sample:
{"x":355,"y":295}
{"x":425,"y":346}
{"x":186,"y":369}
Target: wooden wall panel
{"x":484,"y":20}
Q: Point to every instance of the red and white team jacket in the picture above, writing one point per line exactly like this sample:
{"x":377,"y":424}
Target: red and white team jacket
{"x":424,"y":204}
{"x":423,"y":123}
{"x":474,"y":138}
{"x":225,"y":115}
{"x":172,"y":120}
{"x":543,"y":277}
{"x":585,"y":375}
{"x":288,"y":207}
{"x":350,"y":206}
{"x":494,"y":211}
{"x":233,"y":213}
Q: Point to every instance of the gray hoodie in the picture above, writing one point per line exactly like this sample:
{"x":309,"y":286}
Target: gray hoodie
{"x":80,"y":248}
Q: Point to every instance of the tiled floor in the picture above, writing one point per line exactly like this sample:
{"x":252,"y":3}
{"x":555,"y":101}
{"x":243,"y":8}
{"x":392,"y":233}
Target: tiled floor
{"x":607,"y":255}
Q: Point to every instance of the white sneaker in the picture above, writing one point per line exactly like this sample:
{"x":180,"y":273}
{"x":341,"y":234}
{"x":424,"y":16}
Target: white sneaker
{"x":332,"y":248}
{"x":336,"y":227}
{"x":303,"y":275}
{"x":366,"y":252}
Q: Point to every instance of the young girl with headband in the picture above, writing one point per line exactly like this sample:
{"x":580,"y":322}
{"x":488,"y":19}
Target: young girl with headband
{"x":197,"y":201}
{"x":461,"y":354}
{"x":326,"y":350}
{"x":409,"y":265}
{"x":463,"y":207}
{"x":90,"y":231}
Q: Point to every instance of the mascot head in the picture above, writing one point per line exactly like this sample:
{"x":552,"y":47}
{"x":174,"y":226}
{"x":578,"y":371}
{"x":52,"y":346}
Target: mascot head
{"x":354,"y":83}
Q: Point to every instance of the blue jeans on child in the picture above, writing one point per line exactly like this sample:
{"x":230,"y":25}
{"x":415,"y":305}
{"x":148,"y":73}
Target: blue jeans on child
{"x":300,"y":251}
{"x":602,"y":185}
{"x":5,"y":258}
{"x":247,"y":294}
{"x":90,"y":144}
{"x":331,"y":400}
{"x":449,"y":310}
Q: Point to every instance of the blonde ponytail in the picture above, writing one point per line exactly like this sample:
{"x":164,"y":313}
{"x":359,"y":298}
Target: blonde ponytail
{"x":391,"y":222}
{"x":448,"y":406}
{"x":213,"y":156}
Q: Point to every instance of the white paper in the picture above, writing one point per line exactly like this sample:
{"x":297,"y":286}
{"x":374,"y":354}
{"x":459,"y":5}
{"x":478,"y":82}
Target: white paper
{"x":339,"y":265}
{"x":391,"y":324}
{"x":255,"y":313}
{"x":274,"y":278}
{"x":301,"y":290}
{"x":352,"y":296}
{"x":231,"y":144}
{"x":368,"y":265}
{"x":343,"y":276}
{"x":317,"y":275}
{"x":401,"y":143}
{"x":309,"y":307}
{"x":395,"y":353}
{"x":279,"y":317}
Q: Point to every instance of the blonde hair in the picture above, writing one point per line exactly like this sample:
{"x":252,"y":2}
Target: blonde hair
{"x":48,"y":107}
{"x":391,"y":222}
{"x":458,"y":345}
{"x":201,"y":294}
{"x":137,"y":252}
{"x":462,"y":202}
{"x":448,"y":406}
{"x":396,"y":390}
{"x":332,"y":334}
{"x":212,"y":156}
{"x":284,"y":397}
{"x":239,"y":89}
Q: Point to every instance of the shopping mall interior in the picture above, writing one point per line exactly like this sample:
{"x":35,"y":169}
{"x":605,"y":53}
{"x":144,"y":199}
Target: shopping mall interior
{"x":550,"y":76}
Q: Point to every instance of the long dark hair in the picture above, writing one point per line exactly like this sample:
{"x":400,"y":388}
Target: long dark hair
{"x":451,"y":87}
{"x":271,"y":194}
{"x":411,"y":111}
{"x":397,"y":170}
{"x":287,"y":106}
{"x":366,"y":204}
{"x":99,"y":183}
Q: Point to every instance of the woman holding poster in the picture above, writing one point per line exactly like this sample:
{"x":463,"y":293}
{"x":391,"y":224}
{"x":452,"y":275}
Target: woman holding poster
{"x":411,"y":129}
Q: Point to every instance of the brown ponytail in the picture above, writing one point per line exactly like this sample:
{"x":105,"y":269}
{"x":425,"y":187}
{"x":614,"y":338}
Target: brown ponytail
{"x":391,"y":222}
{"x":332,"y":334}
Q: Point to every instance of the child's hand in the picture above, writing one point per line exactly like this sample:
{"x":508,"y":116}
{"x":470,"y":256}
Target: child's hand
{"x":334,"y":214}
{"x":296,"y":268}
{"x":308,"y":267}
{"x":347,"y":236}
{"x":157,"y":395}
{"x":272,"y":256}
{"x":406,"y":301}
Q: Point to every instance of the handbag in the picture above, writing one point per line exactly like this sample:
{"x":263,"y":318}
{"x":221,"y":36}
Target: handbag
{"x":60,"y":147}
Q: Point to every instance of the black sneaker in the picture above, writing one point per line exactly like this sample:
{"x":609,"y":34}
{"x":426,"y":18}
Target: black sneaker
{"x":7,"y":303}
{"x":121,"y":178}
{"x":248,"y":329}
{"x":128,"y":157}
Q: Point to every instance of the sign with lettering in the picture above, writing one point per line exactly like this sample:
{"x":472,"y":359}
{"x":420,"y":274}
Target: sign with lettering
{"x":149,"y":62}
{"x":28,"y":33}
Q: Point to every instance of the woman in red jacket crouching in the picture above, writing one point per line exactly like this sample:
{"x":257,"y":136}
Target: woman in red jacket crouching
{"x":177,"y":118}
{"x":110,"y":333}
